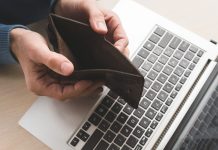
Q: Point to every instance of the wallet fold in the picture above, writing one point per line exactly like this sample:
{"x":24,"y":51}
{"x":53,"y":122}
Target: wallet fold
{"x":95,"y":58}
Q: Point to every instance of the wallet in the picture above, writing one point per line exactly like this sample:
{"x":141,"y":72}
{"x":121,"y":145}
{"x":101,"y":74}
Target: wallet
{"x":95,"y":58}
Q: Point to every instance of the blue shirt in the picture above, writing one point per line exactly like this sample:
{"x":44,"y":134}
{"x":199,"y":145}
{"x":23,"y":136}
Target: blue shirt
{"x":18,"y":13}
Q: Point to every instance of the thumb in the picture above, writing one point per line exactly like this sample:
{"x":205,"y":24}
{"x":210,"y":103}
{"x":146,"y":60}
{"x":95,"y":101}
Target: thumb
{"x":54,"y":61}
{"x":96,"y":18}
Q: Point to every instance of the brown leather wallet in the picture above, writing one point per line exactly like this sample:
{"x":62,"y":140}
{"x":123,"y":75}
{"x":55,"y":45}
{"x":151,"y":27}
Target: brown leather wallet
{"x":95,"y":58}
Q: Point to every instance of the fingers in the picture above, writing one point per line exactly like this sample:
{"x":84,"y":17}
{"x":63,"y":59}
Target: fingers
{"x":116,"y":30}
{"x":96,"y":17}
{"x":53,"y":60}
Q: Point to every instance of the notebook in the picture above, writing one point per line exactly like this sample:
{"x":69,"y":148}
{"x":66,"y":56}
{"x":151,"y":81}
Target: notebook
{"x":178,"y":67}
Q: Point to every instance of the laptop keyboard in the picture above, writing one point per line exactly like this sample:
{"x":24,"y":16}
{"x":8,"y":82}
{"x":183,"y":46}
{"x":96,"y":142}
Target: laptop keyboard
{"x":166,"y":61}
{"x":204,"y":134}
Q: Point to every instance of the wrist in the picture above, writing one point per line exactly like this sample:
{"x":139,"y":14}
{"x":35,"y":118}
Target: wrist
{"x":15,"y":36}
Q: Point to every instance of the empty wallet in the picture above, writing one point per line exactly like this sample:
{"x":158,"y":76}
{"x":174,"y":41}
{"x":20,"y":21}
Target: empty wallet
{"x":95,"y":58}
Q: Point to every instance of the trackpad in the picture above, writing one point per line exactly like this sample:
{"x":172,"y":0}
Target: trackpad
{"x":53,"y":122}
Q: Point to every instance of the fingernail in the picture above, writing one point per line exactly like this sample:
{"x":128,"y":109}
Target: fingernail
{"x":102,"y":26}
{"x":66,"y":68}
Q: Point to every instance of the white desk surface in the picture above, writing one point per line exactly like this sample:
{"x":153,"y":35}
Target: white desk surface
{"x":199,"y":16}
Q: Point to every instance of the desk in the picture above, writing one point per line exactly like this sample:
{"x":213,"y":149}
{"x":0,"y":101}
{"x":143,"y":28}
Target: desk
{"x":197,"y":16}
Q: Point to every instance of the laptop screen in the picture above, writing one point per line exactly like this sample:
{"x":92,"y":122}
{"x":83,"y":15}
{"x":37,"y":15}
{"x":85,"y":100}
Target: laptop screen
{"x":199,"y":127}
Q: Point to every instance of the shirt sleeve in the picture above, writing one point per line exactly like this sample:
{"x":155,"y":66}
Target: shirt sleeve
{"x":6,"y":56}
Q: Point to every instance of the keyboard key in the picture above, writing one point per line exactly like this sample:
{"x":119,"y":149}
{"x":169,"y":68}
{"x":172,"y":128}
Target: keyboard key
{"x":164,"y":109}
{"x":152,"y":58}
{"x":173,"y":94}
{"x":143,"y":140}
{"x":119,"y":140}
{"x":110,"y":116}
{"x":138,"y":132}
{"x":187,"y":73}
{"x":179,"y":71}
{"x":196,"y":59}
{"x":74,"y":142}
{"x":139,"y":112}
{"x":143,"y":53}
{"x":169,"y":101}
{"x":182,"y":80}
{"x":101,"y":110}
{"x":143,"y":92}
{"x":144,"y":122}
{"x":178,"y":55}
{"x":109,"y":136}
{"x":148,"y":132}
{"x":189,"y":55}
{"x":113,"y":94}
{"x":147,"y":66}
{"x":137,"y":61}
{"x":107,"y":101}
{"x":132,"y":141}
{"x":116,"y":108}
{"x":173,"y":62}
{"x":175,"y":42}
{"x":104,"y":125}
{"x":125,"y":147}
{"x":184,"y":46}
{"x":200,"y":53}
{"x":113,"y":147}
{"x":150,"y":95}
{"x":152,"y":75}
{"x":162,"y":96}
{"x":162,"y":78}
{"x":168,"y":70}
{"x":116,"y":127}
{"x":191,"y":66}
{"x":159,"y":116}
{"x":145,"y":103}
{"x":156,"y":86}
{"x":168,"y":87}
{"x":159,"y":31}
{"x":165,"y":40}
{"x":132,"y":121}
{"x":86,"y":126}
{"x":193,"y":49}
{"x":122,"y":118}
{"x":147,"y":83}
{"x":143,"y":72}
{"x":157,"y":50}
{"x":122,"y":101}
{"x":178,"y":87}
{"x":138,"y":147}
{"x":128,"y":109}
{"x":94,"y":119}
{"x":184,"y":63}
{"x":126,"y":130}
{"x":102,"y":145}
{"x":148,"y":45}
{"x":168,"y":51}
{"x":150,"y":113}
{"x":157,"y":104}
{"x":163,"y":59}
{"x":173,"y":79}
{"x":158,"y":67}
{"x":82,"y":135}
{"x":154,"y":124}
{"x":154,"y":38}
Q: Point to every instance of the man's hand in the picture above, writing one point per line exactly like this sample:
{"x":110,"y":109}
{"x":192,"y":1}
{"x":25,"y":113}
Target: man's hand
{"x":102,"y":21}
{"x":36,"y":59}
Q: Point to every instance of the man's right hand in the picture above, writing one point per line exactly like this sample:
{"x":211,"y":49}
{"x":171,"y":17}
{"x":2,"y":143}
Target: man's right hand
{"x":35,"y":58}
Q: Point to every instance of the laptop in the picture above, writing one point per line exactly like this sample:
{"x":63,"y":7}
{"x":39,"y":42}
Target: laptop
{"x":179,"y":104}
